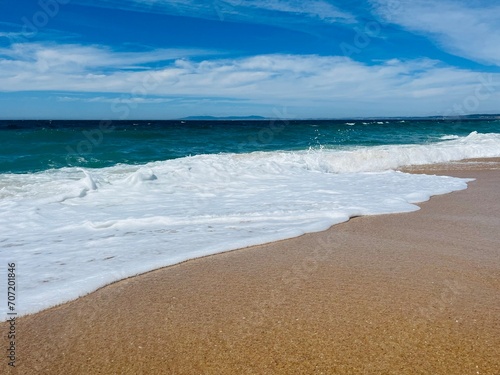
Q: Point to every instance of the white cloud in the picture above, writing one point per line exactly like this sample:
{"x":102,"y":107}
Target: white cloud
{"x":291,"y":80}
{"x":464,"y":28}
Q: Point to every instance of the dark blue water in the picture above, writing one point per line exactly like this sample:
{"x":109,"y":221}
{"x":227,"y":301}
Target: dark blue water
{"x":31,"y":146}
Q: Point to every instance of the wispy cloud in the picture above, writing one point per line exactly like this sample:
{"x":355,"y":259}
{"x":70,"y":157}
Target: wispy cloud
{"x":281,"y":79}
{"x":36,"y":58}
{"x":113,"y":99}
{"x":10,"y":34}
{"x":464,"y":28}
{"x":258,"y":11}
{"x":318,"y":9}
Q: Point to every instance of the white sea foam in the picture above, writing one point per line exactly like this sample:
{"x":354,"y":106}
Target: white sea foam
{"x":71,"y":231}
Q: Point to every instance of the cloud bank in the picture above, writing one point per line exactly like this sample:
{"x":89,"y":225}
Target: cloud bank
{"x":278,"y":79}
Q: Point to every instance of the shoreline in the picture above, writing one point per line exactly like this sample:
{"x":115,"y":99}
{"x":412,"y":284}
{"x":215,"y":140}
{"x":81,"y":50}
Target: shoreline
{"x":363,"y":298}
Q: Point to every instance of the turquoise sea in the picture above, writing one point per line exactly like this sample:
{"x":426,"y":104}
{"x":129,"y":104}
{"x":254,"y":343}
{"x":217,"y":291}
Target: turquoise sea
{"x":31,"y":146}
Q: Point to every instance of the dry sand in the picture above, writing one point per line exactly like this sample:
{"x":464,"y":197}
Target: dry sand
{"x":415,"y":293}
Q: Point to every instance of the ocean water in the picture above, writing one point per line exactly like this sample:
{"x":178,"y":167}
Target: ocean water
{"x":83,"y":204}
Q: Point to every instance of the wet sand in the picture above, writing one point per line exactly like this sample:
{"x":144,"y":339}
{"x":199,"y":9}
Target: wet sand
{"x":414,"y":293}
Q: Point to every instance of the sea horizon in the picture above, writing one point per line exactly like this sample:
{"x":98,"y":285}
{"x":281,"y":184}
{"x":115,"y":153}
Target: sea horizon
{"x":455,"y":117}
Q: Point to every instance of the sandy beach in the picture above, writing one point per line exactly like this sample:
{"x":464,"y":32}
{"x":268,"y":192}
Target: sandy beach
{"x":413,"y":293}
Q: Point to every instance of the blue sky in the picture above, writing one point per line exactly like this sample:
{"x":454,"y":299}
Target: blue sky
{"x":158,"y":59}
